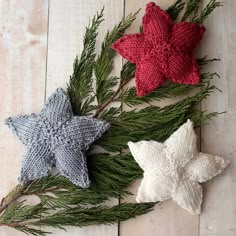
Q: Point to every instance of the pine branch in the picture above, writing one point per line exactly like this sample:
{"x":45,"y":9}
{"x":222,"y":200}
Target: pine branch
{"x":23,"y":217}
{"x":19,"y":216}
{"x":11,"y":197}
{"x":80,"y":84}
{"x":112,"y":174}
{"x":205,"y":61}
{"x":111,"y":99}
{"x":81,"y":217}
{"x":104,"y":63}
{"x":111,"y":113}
{"x":175,"y":9}
{"x":151,"y":122}
{"x":128,"y":95}
{"x":63,"y":192}
{"x":210,"y":7}
{"x":168,"y":90}
{"x":127,"y":73}
{"x":18,"y":212}
{"x":192,"y":9}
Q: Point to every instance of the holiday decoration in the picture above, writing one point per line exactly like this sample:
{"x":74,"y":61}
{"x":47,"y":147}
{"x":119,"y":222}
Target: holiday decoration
{"x":173,"y":169}
{"x":95,"y":92}
{"x":162,"y":51}
{"x":55,"y":137}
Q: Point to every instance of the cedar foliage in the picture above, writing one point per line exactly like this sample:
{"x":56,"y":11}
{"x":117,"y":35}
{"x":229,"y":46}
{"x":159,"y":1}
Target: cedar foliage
{"x":64,"y":204}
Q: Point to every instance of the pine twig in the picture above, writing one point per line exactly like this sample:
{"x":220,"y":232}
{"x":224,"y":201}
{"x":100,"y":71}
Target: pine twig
{"x":150,"y":122}
{"x":103,"y":106}
{"x":11,"y":197}
{"x":210,"y":7}
{"x":81,"y":217}
{"x":175,"y":9}
{"x":191,"y":10}
{"x":104,"y":63}
{"x":19,"y":192}
{"x":80,"y":85}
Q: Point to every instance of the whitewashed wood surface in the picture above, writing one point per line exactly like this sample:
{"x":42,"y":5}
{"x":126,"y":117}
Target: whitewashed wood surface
{"x":38,"y":43}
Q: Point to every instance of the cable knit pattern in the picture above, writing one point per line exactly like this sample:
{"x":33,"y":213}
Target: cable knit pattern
{"x":163,"y":50}
{"x":55,"y":137}
{"x":174,"y":169}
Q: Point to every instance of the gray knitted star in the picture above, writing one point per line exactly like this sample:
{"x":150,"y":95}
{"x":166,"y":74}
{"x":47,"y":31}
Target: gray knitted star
{"x":55,"y":137}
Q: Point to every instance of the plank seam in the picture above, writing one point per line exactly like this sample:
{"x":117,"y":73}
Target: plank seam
{"x":46,"y":70}
{"x":122,"y":63}
{"x":200,"y":135}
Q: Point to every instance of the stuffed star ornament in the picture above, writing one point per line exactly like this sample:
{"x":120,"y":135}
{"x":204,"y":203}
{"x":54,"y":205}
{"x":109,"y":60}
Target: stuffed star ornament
{"x":174,"y":169}
{"x":55,"y":137}
{"x":163,"y":50}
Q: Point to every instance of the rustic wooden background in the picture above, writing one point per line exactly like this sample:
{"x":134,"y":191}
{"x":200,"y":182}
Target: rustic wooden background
{"x":38,"y":43}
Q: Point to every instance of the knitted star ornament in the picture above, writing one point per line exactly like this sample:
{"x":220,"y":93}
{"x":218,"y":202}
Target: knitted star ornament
{"x":55,"y":137}
{"x":174,"y":169}
{"x":163,"y":50}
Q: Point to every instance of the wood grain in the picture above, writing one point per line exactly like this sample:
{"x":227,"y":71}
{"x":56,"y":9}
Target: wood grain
{"x":23,"y":34}
{"x":67,"y":22}
{"x":219,"y":206}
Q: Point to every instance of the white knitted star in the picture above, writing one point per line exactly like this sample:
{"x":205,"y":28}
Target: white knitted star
{"x":173,"y":169}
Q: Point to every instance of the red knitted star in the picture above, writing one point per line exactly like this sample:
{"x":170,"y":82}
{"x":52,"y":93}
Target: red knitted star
{"x":163,"y":50}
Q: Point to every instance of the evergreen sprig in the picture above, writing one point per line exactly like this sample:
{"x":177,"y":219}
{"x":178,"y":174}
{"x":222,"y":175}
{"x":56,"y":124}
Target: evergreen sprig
{"x":151,"y":122}
{"x":168,"y":90}
{"x":64,"y":204}
{"x":192,"y":10}
{"x":175,"y":9}
{"x":25,"y":218}
{"x":80,"y":85}
{"x":80,"y":217}
{"x":193,"y":7}
{"x":210,"y":7}
{"x":112,"y":174}
{"x":104,"y":63}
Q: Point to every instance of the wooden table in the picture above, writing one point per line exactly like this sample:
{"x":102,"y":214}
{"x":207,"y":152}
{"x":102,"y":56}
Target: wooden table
{"x":38,"y":43}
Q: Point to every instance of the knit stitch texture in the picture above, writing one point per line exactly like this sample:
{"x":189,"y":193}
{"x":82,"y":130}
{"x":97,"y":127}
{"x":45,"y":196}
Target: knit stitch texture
{"x":174,"y":169}
{"x":163,"y":50}
{"x":55,"y":137}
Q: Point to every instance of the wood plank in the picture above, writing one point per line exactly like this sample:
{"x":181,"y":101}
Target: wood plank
{"x":219,"y":207}
{"x":67,"y":23}
{"x":23,"y":37}
{"x":167,"y":218}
